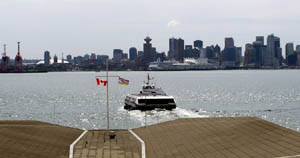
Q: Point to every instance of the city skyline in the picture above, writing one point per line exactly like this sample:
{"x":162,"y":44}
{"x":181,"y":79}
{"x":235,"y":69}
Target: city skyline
{"x":77,"y":27}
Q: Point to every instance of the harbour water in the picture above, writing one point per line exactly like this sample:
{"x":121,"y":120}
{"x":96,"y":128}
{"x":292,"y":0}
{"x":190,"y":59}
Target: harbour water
{"x":73,"y":98}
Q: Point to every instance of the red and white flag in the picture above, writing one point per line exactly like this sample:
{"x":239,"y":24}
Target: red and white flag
{"x":101,"y":81}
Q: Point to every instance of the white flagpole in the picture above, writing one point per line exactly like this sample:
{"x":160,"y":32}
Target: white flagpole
{"x":107,"y":94}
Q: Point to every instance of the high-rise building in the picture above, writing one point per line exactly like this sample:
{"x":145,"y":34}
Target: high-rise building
{"x":117,"y":55}
{"x":69,"y":58}
{"x":260,"y":39}
{"x":230,"y":54}
{"x":176,"y":49}
{"x":217,"y":51}
{"x":154,"y":53}
{"x":198,"y":44}
{"x":238,"y":55}
{"x":148,"y":57}
{"x":229,"y":42}
{"x":47,"y":58}
{"x":258,"y":48}
{"x":210,"y":52}
{"x":132,"y":53}
{"x":172,"y":43}
{"x":179,"y":50}
{"x":289,"y":49}
{"x":55,"y":59}
{"x":274,"y":52}
{"x":298,"y":48}
{"x":290,"y":55}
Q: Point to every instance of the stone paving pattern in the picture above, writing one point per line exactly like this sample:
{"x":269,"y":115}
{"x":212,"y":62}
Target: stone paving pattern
{"x":218,"y":138}
{"x":34,"y":139}
{"x":96,"y":144}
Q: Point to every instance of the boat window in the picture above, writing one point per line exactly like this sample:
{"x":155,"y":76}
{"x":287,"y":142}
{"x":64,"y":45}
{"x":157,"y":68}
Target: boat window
{"x":155,"y":101}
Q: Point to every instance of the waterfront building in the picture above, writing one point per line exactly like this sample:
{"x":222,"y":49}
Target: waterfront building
{"x":69,"y":58}
{"x":148,"y":57}
{"x":117,"y":55}
{"x":274,"y":52}
{"x":198,"y":44}
{"x":47,"y":58}
{"x":18,"y":61}
{"x":229,"y":42}
{"x":132,"y":53}
{"x":161,"y":56}
{"x":55,"y":59}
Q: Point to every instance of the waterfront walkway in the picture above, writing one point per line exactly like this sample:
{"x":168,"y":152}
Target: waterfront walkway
{"x":97,"y":144}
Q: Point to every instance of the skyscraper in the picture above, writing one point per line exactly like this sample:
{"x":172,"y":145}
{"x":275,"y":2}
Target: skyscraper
{"x":274,"y":52}
{"x":47,"y":58}
{"x":179,"y":50}
{"x":171,"y":53}
{"x":132,"y":53}
{"x":176,"y":49}
{"x":290,"y":54}
{"x":148,"y":50}
{"x":55,"y":59}
{"x":198,"y":44}
{"x":69,"y":58}
{"x":298,"y":48}
{"x":117,"y":55}
{"x":289,"y":49}
{"x":229,"y":42}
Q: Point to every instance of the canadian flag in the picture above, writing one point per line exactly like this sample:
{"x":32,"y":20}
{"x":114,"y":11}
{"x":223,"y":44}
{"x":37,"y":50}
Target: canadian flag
{"x":101,"y":81}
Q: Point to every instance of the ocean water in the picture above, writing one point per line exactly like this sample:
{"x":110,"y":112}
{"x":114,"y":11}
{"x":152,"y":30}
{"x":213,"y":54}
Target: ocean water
{"x":73,"y":98}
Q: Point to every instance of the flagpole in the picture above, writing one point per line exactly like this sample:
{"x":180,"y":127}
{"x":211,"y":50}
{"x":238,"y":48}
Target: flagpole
{"x":107,"y":94}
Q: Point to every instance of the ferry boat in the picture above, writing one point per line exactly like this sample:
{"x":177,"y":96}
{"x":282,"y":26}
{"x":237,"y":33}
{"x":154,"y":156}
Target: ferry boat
{"x":149,"y":98}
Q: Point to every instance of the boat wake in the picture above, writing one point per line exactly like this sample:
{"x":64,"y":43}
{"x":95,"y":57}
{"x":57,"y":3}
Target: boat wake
{"x":159,"y":115}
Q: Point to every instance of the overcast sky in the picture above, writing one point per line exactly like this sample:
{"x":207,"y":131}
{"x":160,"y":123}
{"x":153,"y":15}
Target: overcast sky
{"x":78,"y":27}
